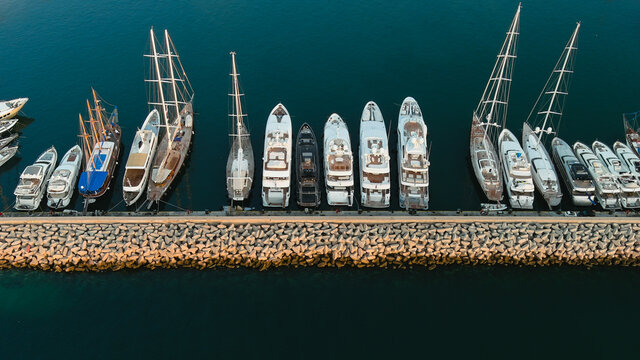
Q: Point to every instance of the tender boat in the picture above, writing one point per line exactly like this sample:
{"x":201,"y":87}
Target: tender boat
{"x":33,"y":181}
{"x":276,"y":170}
{"x":172,"y":96}
{"x":607,"y":189}
{"x":101,"y":150}
{"x":138,"y":166}
{"x":6,"y":125}
{"x":575,"y":174}
{"x":6,"y":141}
{"x":516,"y":170}
{"x":63,"y":180}
{"x":545,"y":115}
{"x":413,"y":157}
{"x":11,"y":108}
{"x":7,"y":153}
{"x":490,"y":114}
{"x":628,"y":157}
{"x":630,"y":122}
{"x":375,"y":171}
{"x":629,"y":185}
{"x":307,"y":172}
{"x":240,"y":163}
{"x":338,"y":162}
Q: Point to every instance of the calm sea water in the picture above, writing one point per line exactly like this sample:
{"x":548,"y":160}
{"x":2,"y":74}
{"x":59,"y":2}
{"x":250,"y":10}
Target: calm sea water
{"x":317,"y":58}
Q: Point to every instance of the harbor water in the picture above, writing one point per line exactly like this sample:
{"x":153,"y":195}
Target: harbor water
{"x":316,"y":58}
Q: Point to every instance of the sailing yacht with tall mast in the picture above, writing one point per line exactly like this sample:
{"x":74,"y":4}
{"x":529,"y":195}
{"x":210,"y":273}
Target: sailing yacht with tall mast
{"x":490,"y":114}
{"x":276,"y":170}
{"x":338,"y":162}
{"x":172,"y":95}
{"x":240,"y":164}
{"x":413,"y":157}
{"x":375,"y":183}
{"x":101,"y":145}
{"x":545,"y":115}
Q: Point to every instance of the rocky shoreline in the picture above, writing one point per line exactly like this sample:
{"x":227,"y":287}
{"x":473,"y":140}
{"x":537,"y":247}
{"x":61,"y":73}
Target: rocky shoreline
{"x":91,"y":245}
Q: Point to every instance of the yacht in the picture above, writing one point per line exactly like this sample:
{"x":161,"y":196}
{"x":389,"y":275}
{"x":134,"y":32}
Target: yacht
{"x":138,"y":165}
{"x":276,"y":170}
{"x":413,"y":157}
{"x":630,"y":122}
{"x":33,"y":181}
{"x":338,"y":162}
{"x":8,"y":124}
{"x":6,"y":153}
{"x":628,"y":157}
{"x":375,"y":184}
{"x":63,"y":180}
{"x":607,"y":189}
{"x":11,"y":108}
{"x":574,"y":173}
{"x":307,"y":172}
{"x":516,"y":170}
{"x":489,"y":115}
{"x":629,"y":185}
{"x":6,"y":141}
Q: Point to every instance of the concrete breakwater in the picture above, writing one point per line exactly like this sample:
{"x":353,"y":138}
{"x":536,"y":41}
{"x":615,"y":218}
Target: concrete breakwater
{"x":100,"y":244}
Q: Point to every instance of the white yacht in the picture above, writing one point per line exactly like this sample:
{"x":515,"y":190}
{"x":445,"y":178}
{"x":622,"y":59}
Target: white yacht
{"x":629,"y":185}
{"x":490,"y":114}
{"x":11,"y":108}
{"x":276,"y":169}
{"x":338,"y":162}
{"x":413,"y":157}
{"x":574,"y":173}
{"x":375,"y":182}
{"x":8,"y":124}
{"x":545,"y":115}
{"x":630,"y":122}
{"x":607,"y":189}
{"x":143,"y":150}
{"x":6,"y":153}
{"x":628,"y":157}
{"x":33,"y":181}
{"x":6,"y":141}
{"x":516,"y":170}
{"x":63,"y":180}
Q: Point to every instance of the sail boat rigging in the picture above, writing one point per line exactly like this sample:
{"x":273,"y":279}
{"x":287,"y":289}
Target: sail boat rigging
{"x":240,"y":164}
{"x":491,"y":113}
{"x":173,"y":94}
{"x":548,"y":110}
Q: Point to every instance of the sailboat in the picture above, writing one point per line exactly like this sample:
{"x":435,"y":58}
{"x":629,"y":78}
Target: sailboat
{"x":375,"y":171}
{"x":338,"y":162}
{"x":240,"y":164}
{"x":630,"y":122}
{"x":490,"y":114}
{"x":413,"y":157}
{"x":548,"y":111}
{"x":172,"y":95}
{"x":101,"y":142}
{"x":138,"y":166}
{"x":276,"y":169}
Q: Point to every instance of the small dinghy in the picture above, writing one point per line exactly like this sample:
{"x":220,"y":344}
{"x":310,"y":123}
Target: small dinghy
{"x":6,"y":125}
{"x":7,"y":153}
{"x":6,"y":141}
{"x":33,"y":180}
{"x":63,"y":180}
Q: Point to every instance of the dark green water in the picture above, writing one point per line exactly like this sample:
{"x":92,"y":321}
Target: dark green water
{"x":317,"y":58}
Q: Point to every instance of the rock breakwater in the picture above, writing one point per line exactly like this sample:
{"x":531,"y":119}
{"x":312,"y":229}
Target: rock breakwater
{"x":90,"y":245}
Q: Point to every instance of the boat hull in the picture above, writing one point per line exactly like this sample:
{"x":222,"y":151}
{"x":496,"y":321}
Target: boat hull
{"x":135,"y":178}
{"x":94,"y":184}
{"x":549,"y":187}
{"x":484,"y":160}
{"x":307,"y":170}
{"x":32,"y":201}
{"x":276,"y":165}
{"x":71,"y":161}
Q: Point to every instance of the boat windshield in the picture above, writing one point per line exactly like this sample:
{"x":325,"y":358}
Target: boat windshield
{"x":579,"y":172}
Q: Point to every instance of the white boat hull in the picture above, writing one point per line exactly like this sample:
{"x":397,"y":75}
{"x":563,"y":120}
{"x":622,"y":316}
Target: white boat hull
{"x":276,"y":166}
{"x":71,"y":162}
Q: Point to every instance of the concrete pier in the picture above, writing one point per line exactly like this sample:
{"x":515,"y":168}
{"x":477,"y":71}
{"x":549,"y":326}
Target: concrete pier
{"x":114,"y":243}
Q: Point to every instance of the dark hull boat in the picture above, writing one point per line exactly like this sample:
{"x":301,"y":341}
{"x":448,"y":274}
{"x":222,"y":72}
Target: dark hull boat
{"x":307,"y":172}
{"x":102,"y":148}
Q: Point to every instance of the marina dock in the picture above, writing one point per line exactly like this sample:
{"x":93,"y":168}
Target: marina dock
{"x":109,"y":243}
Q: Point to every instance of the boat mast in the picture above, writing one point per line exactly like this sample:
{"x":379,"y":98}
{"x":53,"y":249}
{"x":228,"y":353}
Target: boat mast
{"x":494,"y":87}
{"x":554,"y":94}
{"x":165,"y":111}
{"x":87,"y":147}
{"x":173,"y":81}
{"x":99,"y":115}
{"x":92,"y":121}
